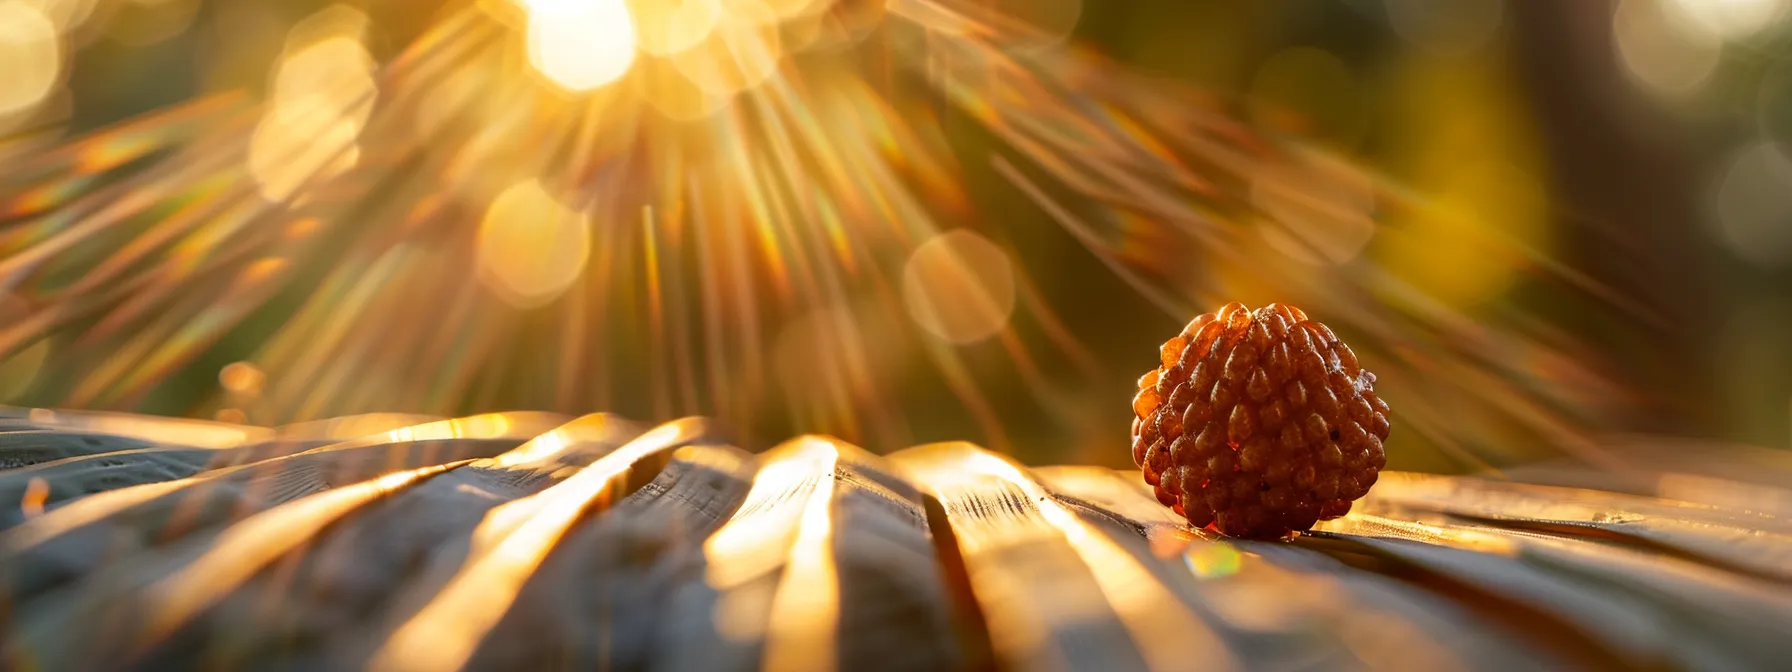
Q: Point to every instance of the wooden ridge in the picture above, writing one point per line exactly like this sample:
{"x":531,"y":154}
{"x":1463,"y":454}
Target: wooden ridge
{"x":535,"y":541}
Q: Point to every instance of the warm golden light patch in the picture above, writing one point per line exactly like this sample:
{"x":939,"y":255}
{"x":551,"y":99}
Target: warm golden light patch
{"x":507,"y":548}
{"x":959,"y":287}
{"x":531,"y":248}
{"x":30,"y":56}
{"x":674,"y":95}
{"x":323,"y":94}
{"x":37,"y":492}
{"x":65,"y":15}
{"x":666,"y":27}
{"x":799,"y":617}
{"x":1748,"y":207}
{"x":1728,"y":19}
{"x":146,"y":22}
{"x":1660,"y":52}
{"x":250,"y":545}
{"x":1168,"y":634}
{"x":242,"y":378}
{"x":1481,"y":221}
{"x":581,"y":44}
{"x":741,"y":52}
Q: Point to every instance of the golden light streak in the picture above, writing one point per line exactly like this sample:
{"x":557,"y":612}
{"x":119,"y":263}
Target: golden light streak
{"x":483,"y":426}
{"x":1166,"y":633}
{"x":253,"y":543}
{"x":803,"y":142}
{"x":805,"y":611}
{"x":1112,"y":490}
{"x":157,"y":430}
{"x":656,"y":313}
{"x":767,"y":534}
{"x":507,"y":548}
{"x":352,"y":426}
{"x":1479,"y":541}
{"x":592,"y":428}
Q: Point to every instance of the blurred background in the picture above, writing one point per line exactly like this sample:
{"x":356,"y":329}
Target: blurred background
{"x":1543,"y":224}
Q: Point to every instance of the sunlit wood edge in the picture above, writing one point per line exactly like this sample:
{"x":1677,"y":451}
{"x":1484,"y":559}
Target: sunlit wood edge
{"x":1166,"y":632}
{"x":95,"y":507}
{"x":509,"y":546}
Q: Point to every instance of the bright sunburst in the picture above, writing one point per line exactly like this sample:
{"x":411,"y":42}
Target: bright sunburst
{"x":738,"y":208}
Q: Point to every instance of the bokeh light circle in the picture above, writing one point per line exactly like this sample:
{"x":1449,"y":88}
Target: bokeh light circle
{"x":30,"y":56}
{"x":323,"y":95}
{"x":742,"y":52}
{"x":959,"y":286}
{"x":530,"y":247}
{"x":66,"y":15}
{"x":667,"y":27}
{"x":1728,"y":19}
{"x":242,"y":378}
{"x":581,"y":45}
{"x":1774,"y":106}
{"x":1749,"y":207}
{"x":1659,"y":51}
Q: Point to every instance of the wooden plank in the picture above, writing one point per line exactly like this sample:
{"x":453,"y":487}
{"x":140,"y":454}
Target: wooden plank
{"x":1603,"y":603}
{"x":71,"y":541}
{"x":154,"y":430}
{"x":30,"y":446}
{"x":1279,"y":606}
{"x":597,"y":601}
{"x":1750,"y":541}
{"x":597,"y":546}
{"x":828,"y":564}
{"x":440,"y":618}
{"x":334,"y":604}
{"x":1056,"y":589}
{"x":133,"y":604}
{"x":48,"y":464}
{"x":891,"y":580}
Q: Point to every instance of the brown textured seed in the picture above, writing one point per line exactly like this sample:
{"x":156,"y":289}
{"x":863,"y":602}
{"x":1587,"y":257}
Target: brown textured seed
{"x":1258,"y":423}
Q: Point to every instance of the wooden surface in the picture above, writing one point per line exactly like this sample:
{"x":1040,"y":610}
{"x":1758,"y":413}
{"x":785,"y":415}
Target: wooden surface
{"x":533,"y":541}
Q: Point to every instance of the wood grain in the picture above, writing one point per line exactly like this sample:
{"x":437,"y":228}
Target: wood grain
{"x":534,"y":541}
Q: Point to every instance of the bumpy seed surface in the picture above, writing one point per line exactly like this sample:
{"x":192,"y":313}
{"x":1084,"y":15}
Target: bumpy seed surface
{"x":1257,"y":424}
